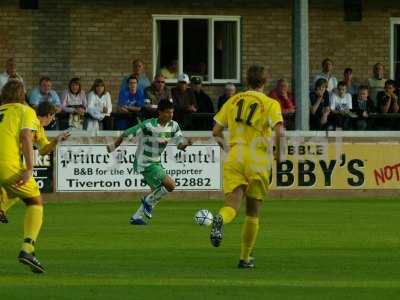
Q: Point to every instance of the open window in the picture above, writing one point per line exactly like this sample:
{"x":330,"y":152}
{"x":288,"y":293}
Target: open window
{"x":203,"y":46}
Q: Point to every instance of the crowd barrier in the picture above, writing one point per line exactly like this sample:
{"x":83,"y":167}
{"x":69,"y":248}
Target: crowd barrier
{"x":314,"y":161}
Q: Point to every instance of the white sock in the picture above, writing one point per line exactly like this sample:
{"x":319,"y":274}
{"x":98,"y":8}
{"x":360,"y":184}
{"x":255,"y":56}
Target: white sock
{"x":139,"y":213}
{"x":155,"y":196}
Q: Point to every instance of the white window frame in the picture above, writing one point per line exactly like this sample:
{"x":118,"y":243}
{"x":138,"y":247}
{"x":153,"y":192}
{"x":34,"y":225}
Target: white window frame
{"x":211,"y":21}
{"x":393,"y":21}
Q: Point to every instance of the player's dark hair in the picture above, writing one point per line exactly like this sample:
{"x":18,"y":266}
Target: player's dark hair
{"x":256,"y":76}
{"x":165,"y":104}
{"x":45,"y":108}
{"x":13,"y":92}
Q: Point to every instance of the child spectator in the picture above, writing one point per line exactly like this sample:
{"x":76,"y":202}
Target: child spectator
{"x":319,"y":105}
{"x":341,"y":104}
{"x":363,"y":106}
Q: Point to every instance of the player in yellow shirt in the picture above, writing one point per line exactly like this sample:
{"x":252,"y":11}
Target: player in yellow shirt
{"x":45,"y":114}
{"x":18,"y":122}
{"x":250,"y":117}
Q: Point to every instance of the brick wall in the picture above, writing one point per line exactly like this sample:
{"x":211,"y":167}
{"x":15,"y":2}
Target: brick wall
{"x":98,"y":39}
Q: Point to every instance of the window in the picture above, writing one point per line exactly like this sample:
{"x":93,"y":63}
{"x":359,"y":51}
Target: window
{"x":395,"y":49}
{"x":203,"y":46}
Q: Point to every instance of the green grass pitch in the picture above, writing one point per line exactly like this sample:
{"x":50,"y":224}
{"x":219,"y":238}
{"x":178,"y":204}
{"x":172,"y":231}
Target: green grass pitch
{"x":315,"y":249}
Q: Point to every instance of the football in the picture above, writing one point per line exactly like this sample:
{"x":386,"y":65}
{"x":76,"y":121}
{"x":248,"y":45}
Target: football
{"x":203,"y":217}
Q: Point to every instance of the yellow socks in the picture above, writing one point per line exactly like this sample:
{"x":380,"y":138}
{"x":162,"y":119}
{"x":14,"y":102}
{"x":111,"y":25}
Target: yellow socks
{"x":249,"y":236}
{"x":228,"y":214}
{"x":32,"y":225}
{"x":6,"y":203}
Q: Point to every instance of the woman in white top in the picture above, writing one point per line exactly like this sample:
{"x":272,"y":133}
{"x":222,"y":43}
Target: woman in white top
{"x":74,"y":103}
{"x":99,"y":105}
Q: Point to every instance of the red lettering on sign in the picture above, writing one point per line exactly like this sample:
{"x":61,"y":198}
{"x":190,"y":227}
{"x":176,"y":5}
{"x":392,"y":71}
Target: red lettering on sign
{"x":387,"y":173}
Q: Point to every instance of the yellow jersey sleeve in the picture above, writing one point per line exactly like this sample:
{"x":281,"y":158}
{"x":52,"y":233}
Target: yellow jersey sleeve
{"x":222,"y":116}
{"x":40,"y":139}
{"x":29,"y":119}
{"x":274,"y":115}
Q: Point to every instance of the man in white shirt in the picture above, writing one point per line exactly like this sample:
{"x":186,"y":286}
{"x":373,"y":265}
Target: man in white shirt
{"x":10,"y":73}
{"x":327,"y":66}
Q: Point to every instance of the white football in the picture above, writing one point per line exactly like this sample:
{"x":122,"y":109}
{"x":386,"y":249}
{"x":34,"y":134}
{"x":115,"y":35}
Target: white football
{"x":203,"y":217}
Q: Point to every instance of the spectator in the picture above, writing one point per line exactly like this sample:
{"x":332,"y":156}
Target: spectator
{"x":44,"y":93}
{"x":376,"y":83}
{"x":137,"y":72}
{"x":184,"y":99}
{"x":9,"y":73}
{"x":153,"y":94}
{"x":204,"y":102}
{"x":363,"y":106}
{"x":170,"y":71}
{"x":319,"y":105}
{"x":229,"y":91}
{"x":348,"y":79}
{"x":283,"y":96}
{"x":341,"y":103}
{"x":130,"y":103}
{"x":327,"y":66}
{"x":388,"y":102}
{"x":99,"y":105}
{"x":74,"y":103}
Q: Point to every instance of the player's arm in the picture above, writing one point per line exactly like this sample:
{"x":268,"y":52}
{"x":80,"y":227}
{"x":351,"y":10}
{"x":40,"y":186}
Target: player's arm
{"x":279,"y":141}
{"x":182,"y":146}
{"x":130,"y":131}
{"x":49,"y":147}
{"x":26,"y":138}
{"x":218,"y":134}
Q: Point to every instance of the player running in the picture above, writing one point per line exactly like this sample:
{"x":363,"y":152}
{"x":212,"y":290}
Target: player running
{"x":153,"y":136}
{"x":17,"y":124}
{"x":250,"y":118}
{"x":45,"y":114}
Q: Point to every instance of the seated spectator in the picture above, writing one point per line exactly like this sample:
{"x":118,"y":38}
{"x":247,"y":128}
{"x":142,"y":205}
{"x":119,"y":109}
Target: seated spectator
{"x":170,"y":71}
{"x":153,"y":94}
{"x":327,"y":67}
{"x":348,"y":79}
{"x":99,"y":105}
{"x":184,"y":99}
{"x":10,"y":73}
{"x":74,"y":104}
{"x":137,"y":72}
{"x":44,"y":93}
{"x":283,"y":96}
{"x":388,"y":102}
{"x":204,"y":102}
{"x":341,"y":103}
{"x":130,"y":103}
{"x":229,"y":91}
{"x":363,"y":106}
{"x":204,"y":105}
{"x":376,"y":83}
{"x":319,"y":106}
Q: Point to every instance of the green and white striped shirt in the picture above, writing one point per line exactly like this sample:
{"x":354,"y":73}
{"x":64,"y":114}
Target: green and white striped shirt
{"x":152,"y":141}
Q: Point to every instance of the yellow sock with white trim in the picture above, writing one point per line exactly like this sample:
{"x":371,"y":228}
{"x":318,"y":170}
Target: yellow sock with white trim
{"x":228,"y":214}
{"x":249,"y":236}
{"x":32,"y":225}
